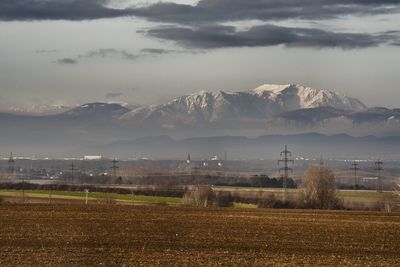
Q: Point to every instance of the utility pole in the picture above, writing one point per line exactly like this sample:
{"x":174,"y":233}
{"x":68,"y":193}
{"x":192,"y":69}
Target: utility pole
{"x":355,"y":168}
{"x":72,"y":169}
{"x":114,"y":168}
{"x":379,"y":168}
{"x":285,"y":159}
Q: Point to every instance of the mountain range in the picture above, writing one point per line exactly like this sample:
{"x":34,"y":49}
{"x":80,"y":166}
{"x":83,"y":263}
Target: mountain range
{"x":266,"y":110}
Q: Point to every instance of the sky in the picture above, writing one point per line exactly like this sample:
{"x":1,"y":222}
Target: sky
{"x":68,"y":52}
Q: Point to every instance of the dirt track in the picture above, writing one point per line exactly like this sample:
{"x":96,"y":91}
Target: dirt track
{"x":150,"y":235}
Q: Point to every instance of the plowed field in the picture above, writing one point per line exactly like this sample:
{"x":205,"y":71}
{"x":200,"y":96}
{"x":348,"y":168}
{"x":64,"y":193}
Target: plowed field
{"x":110,"y":235}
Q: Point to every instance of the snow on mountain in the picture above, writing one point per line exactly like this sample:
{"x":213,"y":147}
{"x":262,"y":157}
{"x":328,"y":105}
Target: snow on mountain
{"x":231,"y":108}
{"x":45,"y":109}
{"x":294,"y":96}
{"x":97,"y":109}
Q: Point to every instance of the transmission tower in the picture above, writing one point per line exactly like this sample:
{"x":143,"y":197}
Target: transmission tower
{"x":114,"y":168}
{"x":188,"y":159}
{"x":355,"y":168}
{"x":11,"y":164}
{"x":321,"y":162}
{"x":285,"y":159}
{"x":225,"y":162}
{"x":379,"y":168}
{"x":72,"y":169}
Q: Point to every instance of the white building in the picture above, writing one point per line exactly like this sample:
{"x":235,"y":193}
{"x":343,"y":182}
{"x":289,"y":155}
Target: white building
{"x":93,"y":157}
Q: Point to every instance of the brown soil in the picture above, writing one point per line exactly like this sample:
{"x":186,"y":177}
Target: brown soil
{"x":117,"y":235}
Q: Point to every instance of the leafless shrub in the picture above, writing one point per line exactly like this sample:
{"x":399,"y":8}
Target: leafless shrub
{"x":319,"y":189}
{"x":107,"y":199}
{"x":199,"y":196}
{"x":224,"y":199}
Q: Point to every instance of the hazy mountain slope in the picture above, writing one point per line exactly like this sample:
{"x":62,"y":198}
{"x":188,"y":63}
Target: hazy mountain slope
{"x":97,"y":110}
{"x":86,"y":125}
{"x":269,"y":146}
{"x":268,"y":109}
{"x":376,"y":121}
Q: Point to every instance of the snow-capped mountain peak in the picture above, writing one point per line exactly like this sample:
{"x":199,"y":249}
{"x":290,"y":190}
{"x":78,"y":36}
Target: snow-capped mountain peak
{"x":233,"y":108}
{"x":270,"y":88}
{"x":295,"y":96}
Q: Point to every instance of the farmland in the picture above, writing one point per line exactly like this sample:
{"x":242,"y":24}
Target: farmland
{"x":94,"y":197}
{"x":38,"y":234}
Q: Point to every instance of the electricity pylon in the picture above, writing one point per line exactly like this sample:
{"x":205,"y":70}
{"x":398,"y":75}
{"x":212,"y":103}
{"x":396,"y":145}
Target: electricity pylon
{"x":285,"y":159}
{"x":72,"y":169}
{"x":355,"y":168}
{"x":379,"y":168}
{"x":114,"y":168}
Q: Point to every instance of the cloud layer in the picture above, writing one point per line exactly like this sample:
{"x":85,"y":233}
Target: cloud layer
{"x":209,"y":37}
{"x":112,"y":52}
{"x":266,"y":10}
{"x":204,"y":18}
{"x":204,"y":11}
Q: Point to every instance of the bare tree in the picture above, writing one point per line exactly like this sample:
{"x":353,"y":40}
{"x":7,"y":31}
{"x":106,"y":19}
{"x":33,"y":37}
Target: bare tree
{"x":319,"y":189}
{"x":397,"y":195}
{"x":200,"y":196}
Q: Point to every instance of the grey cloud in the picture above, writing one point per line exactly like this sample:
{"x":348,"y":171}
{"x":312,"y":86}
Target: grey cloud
{"x":113,"y":95}
{"x":67,"y":61}
{"x":58,"y":10}
{"x":158,"y":51}
{"x":112,"y":52}
{"x":203,"y":11}
{"x":209,"y":37}
{"x":109,"y":52}
{"x":206,"y":11}
{"x":46,"y":51}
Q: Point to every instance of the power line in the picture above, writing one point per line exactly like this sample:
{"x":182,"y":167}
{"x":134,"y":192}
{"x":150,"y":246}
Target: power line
{"x":285,"y":159}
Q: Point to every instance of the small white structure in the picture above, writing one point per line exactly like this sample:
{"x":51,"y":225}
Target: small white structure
{"x":93,"y":157}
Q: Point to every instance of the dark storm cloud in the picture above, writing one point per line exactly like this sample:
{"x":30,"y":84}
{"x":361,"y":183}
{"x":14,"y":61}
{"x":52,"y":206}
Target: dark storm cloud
{"x":67,"y":61}
{"x":204,"y":11}
{"x":209,"y":37}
